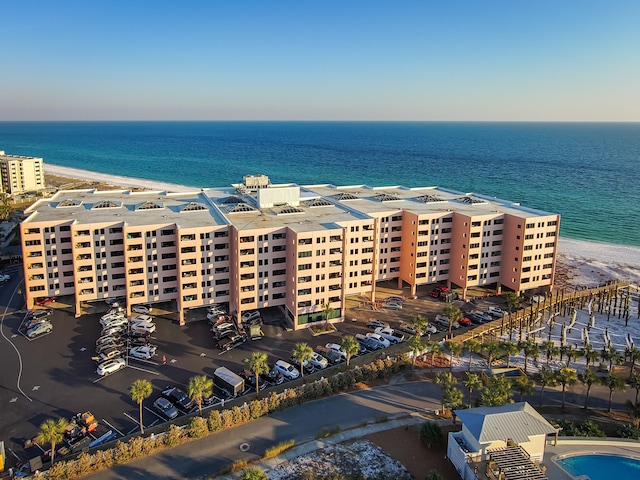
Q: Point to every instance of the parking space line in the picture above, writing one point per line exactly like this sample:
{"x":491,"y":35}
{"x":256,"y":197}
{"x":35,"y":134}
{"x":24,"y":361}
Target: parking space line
{"x":111,"y":426}
{"x":143,"y":370}
{"x":154,"y":413}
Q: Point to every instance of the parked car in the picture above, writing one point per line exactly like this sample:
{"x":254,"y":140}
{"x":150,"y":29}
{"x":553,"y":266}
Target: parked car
{"x":114,"y":322}
{"x":373,"y":323}
{"x":407,"y":328}
{"x":441,"y":288}
{"x":286,"y":369}
{"x":336,"y":348}
{"x":390,"y":334}
{"x":430,"y":329}
{"x":111,"y":366}
{"x":38,"y":313}
{"x":165,"y":408}
{"x":139,"y":341}
{"x":109,"y":331}
{"x":111,"y":316}
{"x":143,"y":309}
{"x":215,"y":306}
{"x":306,"y":366}
{"x":112,"y":344}
{"x":251,"y":315}
{"x":142,"y":318}
{"x":331,"y":355}
{"x":496,"y":312}
{"x":393,"y":306}
{"x":484,"y":316}
{"x":108,"y":354}
{"x":232,"y":342}
{"x":465,"y":321}
{"x":220,"y":334}
{"x":475,"y":319}
{"x":221,"y":327}
{"x":434,"y":293}
{"x":273,"y":377}
{"x":39,"y":329}
{"x":214,"y":312}
{"x":394,"y":299}
{"x":380,"y":339}
{"x":4,"y":277}
{"x":178,"y":398}
{"x":107,"y":339}
{"x":143,"y":327}
{"x":143,"y":352}
{"x":444,"y":322}
{"x":367,"y":343}
{"x":139,"y":335}
{"x":45,"y":301}
{"x":318,"y":361}
{"x":250,"y":379}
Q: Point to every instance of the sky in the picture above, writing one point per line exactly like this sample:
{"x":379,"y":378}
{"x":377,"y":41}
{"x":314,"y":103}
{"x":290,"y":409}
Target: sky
{"x":453,"y":60}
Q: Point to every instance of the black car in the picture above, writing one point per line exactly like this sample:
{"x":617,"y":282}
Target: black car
{"x":178,"y":398}
{"x":475,"y":319}
{"x":133,"y":334}
{"x":233,"y":342}
{"x":368,"y":344}
{"x":250,"y":380}
{"x":272,"y":377}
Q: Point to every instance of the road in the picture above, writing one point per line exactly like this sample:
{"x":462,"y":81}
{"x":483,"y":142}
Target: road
{"x":301,"y":423}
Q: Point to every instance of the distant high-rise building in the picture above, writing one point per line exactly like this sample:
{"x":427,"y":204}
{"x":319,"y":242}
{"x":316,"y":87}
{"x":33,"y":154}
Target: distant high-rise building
{"x":299,"y":248}
{"x":21,"y":174}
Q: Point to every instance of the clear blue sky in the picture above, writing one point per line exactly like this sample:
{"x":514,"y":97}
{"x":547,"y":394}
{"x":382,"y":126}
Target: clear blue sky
{"x":575,"y":60}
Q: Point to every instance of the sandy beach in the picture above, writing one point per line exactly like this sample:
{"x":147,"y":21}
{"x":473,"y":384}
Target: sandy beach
{"x":580,"y":263}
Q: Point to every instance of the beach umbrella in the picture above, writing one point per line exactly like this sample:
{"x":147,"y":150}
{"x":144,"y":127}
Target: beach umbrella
{"x":563,"y":335}
{"x":592,"y":321}
{"x":590,"y":306}
{"x":586,"y":338}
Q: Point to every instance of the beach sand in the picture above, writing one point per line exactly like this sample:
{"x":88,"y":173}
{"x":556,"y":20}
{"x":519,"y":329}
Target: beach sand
{"x":579,"y":263}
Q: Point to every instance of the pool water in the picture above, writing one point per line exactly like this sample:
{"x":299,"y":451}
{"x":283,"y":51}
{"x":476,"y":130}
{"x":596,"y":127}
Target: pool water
{"x":602,"y":467}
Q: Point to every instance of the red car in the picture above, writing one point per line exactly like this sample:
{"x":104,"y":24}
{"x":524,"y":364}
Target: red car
{"x":442,"y":288}
{"x":464,"y":321}
{"x":43,"y":301}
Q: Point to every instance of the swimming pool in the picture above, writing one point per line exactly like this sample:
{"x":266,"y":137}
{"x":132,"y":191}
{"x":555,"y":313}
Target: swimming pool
{"x":601,"y":467}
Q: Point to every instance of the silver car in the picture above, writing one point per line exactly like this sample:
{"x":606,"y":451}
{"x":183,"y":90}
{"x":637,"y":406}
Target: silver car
{"x":39,"y":329}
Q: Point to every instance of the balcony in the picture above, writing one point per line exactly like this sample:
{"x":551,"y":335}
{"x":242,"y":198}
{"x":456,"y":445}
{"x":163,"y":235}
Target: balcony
{"x":134,"y":247}
{"x":84,"y":256}
{"x":335,"y":263}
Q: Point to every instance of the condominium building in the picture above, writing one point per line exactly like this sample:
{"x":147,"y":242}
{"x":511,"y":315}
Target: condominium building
{"x":21,"y":174}
{"x":299,"y":248}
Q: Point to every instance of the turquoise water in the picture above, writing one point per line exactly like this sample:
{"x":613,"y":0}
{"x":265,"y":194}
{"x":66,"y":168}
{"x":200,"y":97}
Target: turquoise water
{"x":587,"y":172}
{"x":602,"y":467}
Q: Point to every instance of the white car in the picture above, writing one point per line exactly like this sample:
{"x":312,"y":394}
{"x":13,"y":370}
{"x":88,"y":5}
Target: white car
{"x":142,"y":318}
{"x":379,"y":339}
{"x":484,"y":316}
{"x":336,"y":348}
{"x":141,"y":309}
{"x":143,"y":327}
{"x":318,"y":361}
{"x":252,"y":315}
{"x":389,"y":334}
{"x":4,"y":277}
{"x":109,"y":331}
{"x":393,"y":306}
{"x":113,"y":322}
{"x":111,"y":366}
{"x":287,"y":370}
{"x":496,"y":311}
{"x":444,"y":322}
{"x":39,"y":329}
{"x":143,"y":352}
{"x":111,"y":316}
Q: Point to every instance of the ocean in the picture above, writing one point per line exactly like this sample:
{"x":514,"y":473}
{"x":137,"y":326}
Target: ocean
{"x":586,"y":172}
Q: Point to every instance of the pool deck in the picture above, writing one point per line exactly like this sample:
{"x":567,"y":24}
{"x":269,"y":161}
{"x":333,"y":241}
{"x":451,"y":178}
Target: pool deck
{"x":569,"y":446}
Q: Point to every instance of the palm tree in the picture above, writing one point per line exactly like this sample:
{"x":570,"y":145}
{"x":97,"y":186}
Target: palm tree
{"x":445,"y":379}
{"x":572,"y":355}
{"x":589,"y":354}
{"x":491,"y":349}
{"x":140,"y":390}
{"x":434,"y":349}
{"x":420,"y":324}
{"x":327,"y":310}
{"x":472,"y":382}
{"x":200,"y":387}
{"x":545,"y":378}
{"x":510,"y":348}
{"x":350,"y":346}
{"x":454,"y":350}
{"x":415,"y":347}
{"x":512,"y":300}
{"x":257,"y":364}
{"x":52,"y":431}
{"x":566,"y":377}
{"x":472,"y":346}
{"x":634,"y":356}
{"x":301,"y":353}
{"x":453,"y":314}
{"x":529,"y":349}
{"x":550,"y":350}
{"x":634,"y":382}
{"x":588,"y":378}
{"x":612,"y":383}
{"x":523,"y":385}
{"x":612,"y":356}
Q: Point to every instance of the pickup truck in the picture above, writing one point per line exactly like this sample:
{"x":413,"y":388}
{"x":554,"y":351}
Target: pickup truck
{"x":390,"y":334}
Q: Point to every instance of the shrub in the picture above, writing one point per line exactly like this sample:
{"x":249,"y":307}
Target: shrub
{"x":121,"y":452}
{"x":84,"y":464}
{"x":198,"y":427}
{"x":278,"y":449}
{"x":173,"y":436}
{"x":227,"y":419}
{"x":584,"y":429}
{"x":214,"y":421}
{"x":136,"y":445}
{"x":253,"y":473}
{"x":629,"y":431}
{"x":57,"y":471}
{"x":255,"y":409}
{"x":431,"y":434}
{"x":434,"y":475}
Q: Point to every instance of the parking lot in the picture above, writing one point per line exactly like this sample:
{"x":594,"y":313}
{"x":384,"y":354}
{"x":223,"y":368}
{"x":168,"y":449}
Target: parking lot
{"x":53,"y":375}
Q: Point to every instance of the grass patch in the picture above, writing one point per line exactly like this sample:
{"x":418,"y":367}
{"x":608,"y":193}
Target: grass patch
{"x":278,"y":449}
{"x":234,"y":467}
